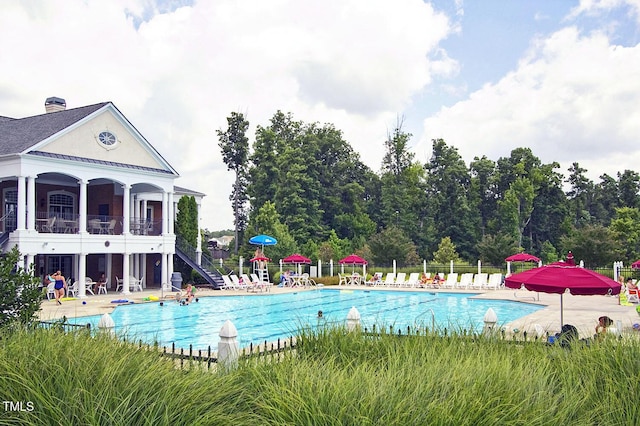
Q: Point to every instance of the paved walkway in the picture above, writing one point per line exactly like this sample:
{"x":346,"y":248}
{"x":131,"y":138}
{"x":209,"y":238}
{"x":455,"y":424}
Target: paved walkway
{"x":581,"y":311}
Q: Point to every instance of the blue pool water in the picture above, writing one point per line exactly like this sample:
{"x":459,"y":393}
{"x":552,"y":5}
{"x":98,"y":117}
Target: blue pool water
{"x":269,"y":317}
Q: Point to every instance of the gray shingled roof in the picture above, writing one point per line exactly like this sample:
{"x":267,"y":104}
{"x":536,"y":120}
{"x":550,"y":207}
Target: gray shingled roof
{"x":94,"y":161}
{"x":18,"y":135}
{"x":180,"y":189}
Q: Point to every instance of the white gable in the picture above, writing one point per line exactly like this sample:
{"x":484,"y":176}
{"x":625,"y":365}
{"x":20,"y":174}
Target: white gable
{"x":82,"y":141}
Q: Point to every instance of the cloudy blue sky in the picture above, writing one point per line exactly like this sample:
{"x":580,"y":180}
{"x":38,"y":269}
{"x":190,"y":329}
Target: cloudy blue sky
{"x":559,"y":76}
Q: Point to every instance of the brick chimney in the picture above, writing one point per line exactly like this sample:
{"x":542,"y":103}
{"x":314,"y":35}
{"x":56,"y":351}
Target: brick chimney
{"x":54,"y":104}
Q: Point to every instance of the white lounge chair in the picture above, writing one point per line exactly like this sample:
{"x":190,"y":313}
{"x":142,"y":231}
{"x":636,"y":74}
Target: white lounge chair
{"x":267,"y":285}
{"x":390,"y":279}
{"x":465,"y":281}
{"x":413,"y":280}
{"x":228,"y":284}
{"x":237,"y":284}
{"x":495,"y":281}
{"x":451,"y":281}
{"x":401,"y":279}
{"x":254,"y":285}
{"x":480,"y":281}
{"x":375,"y":279}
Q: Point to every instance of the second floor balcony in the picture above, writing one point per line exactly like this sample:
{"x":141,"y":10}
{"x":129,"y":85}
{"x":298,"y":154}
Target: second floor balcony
{"x":96,"y":224}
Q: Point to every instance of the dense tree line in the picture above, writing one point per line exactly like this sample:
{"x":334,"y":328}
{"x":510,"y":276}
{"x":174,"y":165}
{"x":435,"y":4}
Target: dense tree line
{"x":305,"y":185}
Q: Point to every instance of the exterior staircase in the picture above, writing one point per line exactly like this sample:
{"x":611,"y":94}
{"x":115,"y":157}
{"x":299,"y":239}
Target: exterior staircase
{"x":206,"y":269}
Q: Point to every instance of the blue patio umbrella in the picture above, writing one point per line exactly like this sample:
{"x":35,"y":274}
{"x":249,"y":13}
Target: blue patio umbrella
{"x":263,"y":240}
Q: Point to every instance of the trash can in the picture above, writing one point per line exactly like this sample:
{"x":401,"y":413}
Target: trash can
{"x":176,"y":281}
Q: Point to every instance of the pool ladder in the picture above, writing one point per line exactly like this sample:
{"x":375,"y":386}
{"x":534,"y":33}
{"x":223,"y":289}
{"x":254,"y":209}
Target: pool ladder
{"x":433,"y":318}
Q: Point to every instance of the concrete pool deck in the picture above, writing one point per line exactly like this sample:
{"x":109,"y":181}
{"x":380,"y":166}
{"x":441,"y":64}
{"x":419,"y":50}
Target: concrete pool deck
{"x":581,"y":311}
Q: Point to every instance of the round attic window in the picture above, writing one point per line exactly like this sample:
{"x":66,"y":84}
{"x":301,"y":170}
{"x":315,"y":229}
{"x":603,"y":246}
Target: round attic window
{"x":107,"y":138}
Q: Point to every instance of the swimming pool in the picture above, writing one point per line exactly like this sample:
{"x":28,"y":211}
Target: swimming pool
{"x":269,"y":317}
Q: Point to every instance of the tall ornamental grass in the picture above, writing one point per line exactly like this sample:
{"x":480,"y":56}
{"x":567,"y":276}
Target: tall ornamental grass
{"x":345,"y":378}
{"x":333,"y":378}
{"x":76,"y":379}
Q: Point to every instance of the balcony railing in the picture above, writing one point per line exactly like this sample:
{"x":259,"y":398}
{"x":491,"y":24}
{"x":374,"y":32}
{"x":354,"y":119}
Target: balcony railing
{"x":96,"y":224}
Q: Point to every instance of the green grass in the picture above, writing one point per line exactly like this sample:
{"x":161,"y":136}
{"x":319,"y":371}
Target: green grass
{"x":333,"y":378}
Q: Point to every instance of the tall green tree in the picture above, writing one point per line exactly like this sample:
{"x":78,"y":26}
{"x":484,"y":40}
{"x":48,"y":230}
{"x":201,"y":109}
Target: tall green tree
{"x":594,"y":244}
{"x":446,"y":252}
{"x":629,"y":187}
{"x":393,"y":244}
{"x":626,"y":230}
{"x":605,"y":200}
{"x":550,"y":209}
{"x":516,"y":207}
{"x":448,"y":182}
{"x":578,"y":195}
{"x":402,"y":186}
{"x":186,"y":225}
{"x":482,"y":192}
{"x":493,"y":249}
{"x":235,"y":153}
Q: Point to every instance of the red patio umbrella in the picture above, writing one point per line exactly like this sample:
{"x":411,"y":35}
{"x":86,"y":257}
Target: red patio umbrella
{"x":522,"y":257}
{"x":296,"y":258}
{"x":353,"y":259}
{"x":635,"y":265}
{"x":563,"y":278}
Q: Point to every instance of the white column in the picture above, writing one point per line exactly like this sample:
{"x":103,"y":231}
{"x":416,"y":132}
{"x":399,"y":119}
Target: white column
{"x":82,"y":207}
{"x":135,"y":208}
{"x":170,"y":264}
{"x":109,"y":268}
{"x":125,"y":273}
{"x":31,"y":203}
{"x":22,"y":205}
{"x":165,"y":213}
{"x":125,"y":212}
{"x":143,"y":270}
{"x":164,"y":275}
{"x":171,"y":213}
{"x":136,"y":265}
{"x":82,"y":273}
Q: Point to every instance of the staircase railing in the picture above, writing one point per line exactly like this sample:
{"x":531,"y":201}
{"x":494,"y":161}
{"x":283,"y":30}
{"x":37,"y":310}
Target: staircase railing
{"x":190,"y":251}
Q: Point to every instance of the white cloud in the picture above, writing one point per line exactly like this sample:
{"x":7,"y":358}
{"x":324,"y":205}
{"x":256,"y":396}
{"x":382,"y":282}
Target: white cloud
{"x":177,"y":71}
{"x":597,"y":8}
{"x":572,"y":98}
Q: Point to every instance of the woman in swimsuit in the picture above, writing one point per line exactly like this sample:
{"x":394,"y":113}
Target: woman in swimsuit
{"x":60,"y":285}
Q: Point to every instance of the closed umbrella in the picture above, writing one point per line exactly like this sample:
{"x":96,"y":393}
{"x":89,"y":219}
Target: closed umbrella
{"x":563,"y":278}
